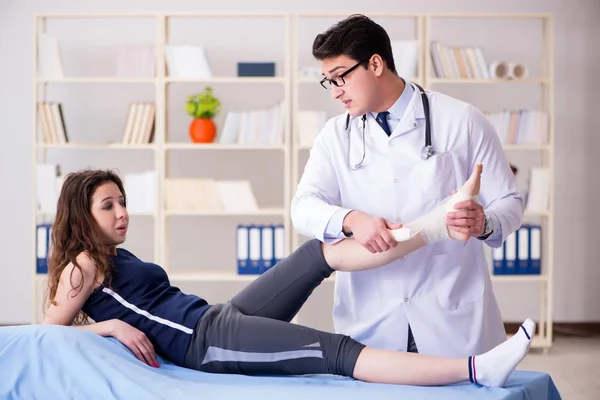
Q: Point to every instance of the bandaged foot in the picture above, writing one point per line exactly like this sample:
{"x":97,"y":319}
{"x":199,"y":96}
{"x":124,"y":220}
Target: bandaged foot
{"x":494,"y":367}
{"x":432,"y":226}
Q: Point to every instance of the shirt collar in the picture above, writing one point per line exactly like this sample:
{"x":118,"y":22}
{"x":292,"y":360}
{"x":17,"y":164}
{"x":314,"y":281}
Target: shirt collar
{"x":398,"y":109}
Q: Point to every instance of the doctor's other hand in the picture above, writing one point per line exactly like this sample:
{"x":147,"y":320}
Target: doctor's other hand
{"x":468,"y":219}
{"x":371,"y":232}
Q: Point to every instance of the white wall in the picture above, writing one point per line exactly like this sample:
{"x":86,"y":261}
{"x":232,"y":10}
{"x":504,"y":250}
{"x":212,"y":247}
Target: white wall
{"x":577,"y":56}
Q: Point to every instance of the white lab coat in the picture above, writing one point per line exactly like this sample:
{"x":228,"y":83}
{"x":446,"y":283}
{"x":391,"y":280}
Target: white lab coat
{"x":443,"y":290}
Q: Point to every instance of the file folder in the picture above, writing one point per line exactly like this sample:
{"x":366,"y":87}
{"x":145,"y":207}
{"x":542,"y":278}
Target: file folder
{"x":254,"y":249}
{"x":243,"y":252}
{"x":267,"y":248}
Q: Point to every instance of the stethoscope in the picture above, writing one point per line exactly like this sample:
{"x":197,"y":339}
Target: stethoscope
{"x":427,"y":152}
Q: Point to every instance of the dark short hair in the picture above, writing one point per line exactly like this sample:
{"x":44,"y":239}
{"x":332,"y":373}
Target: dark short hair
{"x":357,"y":37}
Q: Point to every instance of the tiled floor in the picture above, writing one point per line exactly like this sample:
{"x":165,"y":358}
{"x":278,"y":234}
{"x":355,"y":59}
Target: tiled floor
{"x":574,"y":365}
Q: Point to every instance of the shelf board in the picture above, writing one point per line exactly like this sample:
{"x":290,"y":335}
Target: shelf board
{"x":545,"y":214}
{"x":96,"y":79}
{"x":228,"y":79}
{"x":264,"y":211}
{"x":519,"y":278}
{"x":216,"y":146}
{"x":486,"y":81}
{"x":525,"y":147}
{"x":97,"y":146}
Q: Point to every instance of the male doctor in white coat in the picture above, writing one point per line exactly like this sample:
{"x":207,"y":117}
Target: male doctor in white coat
{"x":361,"y":183}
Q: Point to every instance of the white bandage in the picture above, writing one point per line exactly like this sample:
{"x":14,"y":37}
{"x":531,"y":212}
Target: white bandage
{"x":432,"y":226}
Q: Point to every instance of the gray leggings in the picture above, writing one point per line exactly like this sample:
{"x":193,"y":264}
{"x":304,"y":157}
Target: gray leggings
{"x":252,"y":334}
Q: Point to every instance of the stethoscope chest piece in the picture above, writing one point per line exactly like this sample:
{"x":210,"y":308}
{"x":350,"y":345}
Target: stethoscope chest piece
{"x":428,"y":152}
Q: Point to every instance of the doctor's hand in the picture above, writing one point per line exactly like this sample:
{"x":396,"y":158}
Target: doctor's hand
{"x":468,"y":219}
{"x":371,"y":232}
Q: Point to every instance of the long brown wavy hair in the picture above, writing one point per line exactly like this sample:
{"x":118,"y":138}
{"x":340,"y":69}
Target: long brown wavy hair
{"x":75,"y":230}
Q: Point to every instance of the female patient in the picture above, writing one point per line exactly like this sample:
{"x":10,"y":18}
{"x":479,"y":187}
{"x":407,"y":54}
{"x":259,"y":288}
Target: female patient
{"x":133,"y":301}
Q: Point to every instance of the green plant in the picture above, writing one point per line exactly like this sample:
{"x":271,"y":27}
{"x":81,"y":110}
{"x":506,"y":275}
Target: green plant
{"x":204,"y":105}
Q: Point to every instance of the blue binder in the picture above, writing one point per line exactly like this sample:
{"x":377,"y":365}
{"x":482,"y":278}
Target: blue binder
{"x":510,"y":254}
{"x":523,"y":250}
{"x":243,"y":252}
{"x":267,"y":247}
{"x":43,"y":233}
{"x":535,"y":263}
{"x":254,"y":245}
{"x":498,"y":260}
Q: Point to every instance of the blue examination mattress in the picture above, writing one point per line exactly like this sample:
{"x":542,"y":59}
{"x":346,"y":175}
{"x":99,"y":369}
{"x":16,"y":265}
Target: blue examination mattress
{"x":57,"y":362}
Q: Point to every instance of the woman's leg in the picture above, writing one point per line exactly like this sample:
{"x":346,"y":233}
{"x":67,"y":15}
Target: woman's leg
{"x":241,"y":344}
{"x":348,"y":255}
{"x":280,"y":292}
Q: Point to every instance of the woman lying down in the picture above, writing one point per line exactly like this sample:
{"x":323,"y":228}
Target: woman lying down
{"x":133,"y":301}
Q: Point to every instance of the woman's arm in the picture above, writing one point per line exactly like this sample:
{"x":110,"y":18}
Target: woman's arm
{"x":70,"y":299}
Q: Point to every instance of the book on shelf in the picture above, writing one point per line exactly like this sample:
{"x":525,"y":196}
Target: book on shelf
{"x":48,"y":57}
{"x":204,"y":194}
{"x":459,"y":62}
{"x":310,"y":123}
{"x":52,"y":119}
{"x":259,"y":248}
{"x":538,"y":195}
{"x":141,"y":189}
{"x":136,"y":61}
{"x":184,"y":61}
{"x":253,"y":127}
{"x":520,"y":126}
{"x":406,"y":57}
{"x":48,"y":187}
{"x":140,"y":124}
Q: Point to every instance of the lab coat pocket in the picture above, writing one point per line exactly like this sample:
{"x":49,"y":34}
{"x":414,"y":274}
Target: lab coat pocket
{"x":437,"y":177}
{"x":458,"y":280}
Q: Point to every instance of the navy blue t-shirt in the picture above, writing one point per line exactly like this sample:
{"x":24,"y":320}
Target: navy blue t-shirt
{"x":141,"y":295}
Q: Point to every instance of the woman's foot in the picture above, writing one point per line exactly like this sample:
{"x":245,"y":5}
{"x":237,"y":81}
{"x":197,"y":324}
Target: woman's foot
{"x":468,"y":191}
{"x":432,"y":226}
{"x":494,"y":367}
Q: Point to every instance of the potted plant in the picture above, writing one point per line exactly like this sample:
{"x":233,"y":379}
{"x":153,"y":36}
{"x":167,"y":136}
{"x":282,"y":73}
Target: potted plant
{"x":203,"y":107}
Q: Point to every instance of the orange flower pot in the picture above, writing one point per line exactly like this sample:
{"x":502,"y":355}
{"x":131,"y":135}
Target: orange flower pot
{"x":203,"y":130}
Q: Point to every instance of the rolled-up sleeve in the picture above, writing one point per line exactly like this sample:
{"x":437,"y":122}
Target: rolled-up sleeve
{"x":315,"y":209}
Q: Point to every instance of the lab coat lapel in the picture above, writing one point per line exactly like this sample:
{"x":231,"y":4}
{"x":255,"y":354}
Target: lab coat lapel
{"x":414,"y":112}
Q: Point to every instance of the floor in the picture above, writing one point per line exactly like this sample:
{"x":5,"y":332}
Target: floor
{"x":574,"y":365}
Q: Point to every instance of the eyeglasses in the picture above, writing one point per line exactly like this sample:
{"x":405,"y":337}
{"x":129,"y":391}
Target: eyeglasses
{"x":339,"y":80}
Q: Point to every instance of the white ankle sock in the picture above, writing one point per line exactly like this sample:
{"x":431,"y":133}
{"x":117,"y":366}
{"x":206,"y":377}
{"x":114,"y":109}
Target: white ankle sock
{"x":494,"y":367}
{"x":432,"y":226}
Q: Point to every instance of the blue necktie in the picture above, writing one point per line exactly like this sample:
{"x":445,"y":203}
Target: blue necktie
{"x":382,"y":120}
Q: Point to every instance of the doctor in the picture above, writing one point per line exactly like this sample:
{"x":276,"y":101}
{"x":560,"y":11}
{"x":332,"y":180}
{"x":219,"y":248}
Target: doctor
{"x":372,"y":168}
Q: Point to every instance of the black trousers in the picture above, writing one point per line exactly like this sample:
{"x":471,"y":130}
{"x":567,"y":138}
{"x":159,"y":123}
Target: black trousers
{"x":252,"y":334}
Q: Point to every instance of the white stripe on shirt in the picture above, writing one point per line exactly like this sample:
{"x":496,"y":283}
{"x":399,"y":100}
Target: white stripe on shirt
{"x":146,"y":314}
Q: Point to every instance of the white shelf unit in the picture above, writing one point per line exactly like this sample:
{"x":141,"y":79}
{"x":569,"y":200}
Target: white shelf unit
{"x":170,"y":144}
{"x":544,"y":81}
{"x":296,"y":55}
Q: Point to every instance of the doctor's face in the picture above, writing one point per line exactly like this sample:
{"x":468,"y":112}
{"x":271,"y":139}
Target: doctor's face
{"x":349,"y":82}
